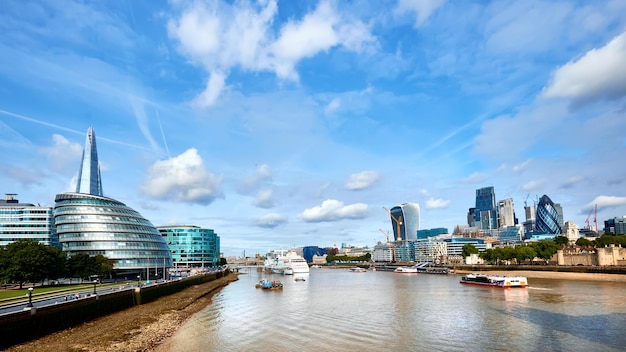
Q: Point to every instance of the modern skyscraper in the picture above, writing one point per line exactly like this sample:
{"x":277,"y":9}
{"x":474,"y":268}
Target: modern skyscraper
{"x":89,"y":180}
{"x":486,"y":212}
{"x":408,"y":215}
{"x":549,"y":218}
{"x":26,"y":221}
{"x":87,"y":222}
{"x":506,"y":212}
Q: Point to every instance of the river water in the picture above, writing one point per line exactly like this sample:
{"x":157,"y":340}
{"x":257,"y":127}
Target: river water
{"x":338,"y":310}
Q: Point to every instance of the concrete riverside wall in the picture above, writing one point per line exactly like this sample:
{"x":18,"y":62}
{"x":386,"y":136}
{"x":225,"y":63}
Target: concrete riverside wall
{"x":36,"y":322}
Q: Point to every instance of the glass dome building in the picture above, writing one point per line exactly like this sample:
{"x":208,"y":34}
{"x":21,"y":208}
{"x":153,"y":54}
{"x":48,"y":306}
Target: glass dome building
{"x":548,"y":217}
{"x":87,"y":222}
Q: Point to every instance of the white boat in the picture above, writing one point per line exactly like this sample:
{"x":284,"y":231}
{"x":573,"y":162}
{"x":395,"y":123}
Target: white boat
{"x":357,"y":270}
{"x":495,"y":281}
{"x":406,"y":270}
{"x":282,"y":260}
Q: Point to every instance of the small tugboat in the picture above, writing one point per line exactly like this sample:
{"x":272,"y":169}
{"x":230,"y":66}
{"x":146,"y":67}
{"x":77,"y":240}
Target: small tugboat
{"x":269,"y":285}
{"x":495,"y":281}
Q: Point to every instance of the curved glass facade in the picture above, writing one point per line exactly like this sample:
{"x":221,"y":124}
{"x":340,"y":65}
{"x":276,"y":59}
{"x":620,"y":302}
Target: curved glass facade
{"x":192,"y":246}
{"x":92,"y":224}
{"x":548,"y":218}
{"x":409,"y":216}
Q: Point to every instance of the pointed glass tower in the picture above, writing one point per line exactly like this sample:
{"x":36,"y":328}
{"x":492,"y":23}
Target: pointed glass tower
{"x":89,"y":181}
{"x":88,"y":222}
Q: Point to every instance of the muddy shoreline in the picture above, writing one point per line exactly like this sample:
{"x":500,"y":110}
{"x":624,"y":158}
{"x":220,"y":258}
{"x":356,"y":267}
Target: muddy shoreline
{"x":140,"y":328}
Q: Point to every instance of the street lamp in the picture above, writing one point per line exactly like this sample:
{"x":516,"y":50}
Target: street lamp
{"x":139,"y":280}
{"x":30,"y":297}
{"x":95,"y":282}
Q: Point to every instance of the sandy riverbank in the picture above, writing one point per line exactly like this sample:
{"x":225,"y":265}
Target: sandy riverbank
{"x":140,"y":328}
{"x":553,"y":275}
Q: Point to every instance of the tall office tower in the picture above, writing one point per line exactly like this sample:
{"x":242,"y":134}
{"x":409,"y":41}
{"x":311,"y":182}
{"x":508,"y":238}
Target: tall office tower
{"x":549,"y":217}
{"x":506,"y":211}
{"x":26,"y":221}
{"x":406,"y":219}
{"x":89,"y":180}
{"x":486,"y":211}
{"x":471,"y":217}
{"x":87,"y":222}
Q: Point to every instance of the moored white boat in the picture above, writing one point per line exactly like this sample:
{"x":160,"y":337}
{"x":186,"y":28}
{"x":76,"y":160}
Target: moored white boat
{"x":406,"y":270}
{"x":285,"y":262}
{"x":357,"y":270}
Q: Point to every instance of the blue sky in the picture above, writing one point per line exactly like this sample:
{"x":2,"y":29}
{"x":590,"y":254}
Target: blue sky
{"x":282,"y":123}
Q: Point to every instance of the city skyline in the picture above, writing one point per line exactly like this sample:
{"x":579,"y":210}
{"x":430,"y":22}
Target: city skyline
{"x":281,"y":123}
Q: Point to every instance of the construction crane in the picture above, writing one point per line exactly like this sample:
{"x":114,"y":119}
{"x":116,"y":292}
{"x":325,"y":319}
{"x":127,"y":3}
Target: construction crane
{"x":398,"y":223}
{"x":528,"y":195}
{"x":386,"y":234}
{"x":593,"y":210}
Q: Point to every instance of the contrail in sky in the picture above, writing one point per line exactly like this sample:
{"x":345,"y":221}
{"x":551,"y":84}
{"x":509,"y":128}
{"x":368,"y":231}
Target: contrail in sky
{"x":167,"y":149}
{"x":44,"y":123}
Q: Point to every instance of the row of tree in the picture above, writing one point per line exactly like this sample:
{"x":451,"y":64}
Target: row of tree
{"x":30,"y":261}
{"x":542,"y":249}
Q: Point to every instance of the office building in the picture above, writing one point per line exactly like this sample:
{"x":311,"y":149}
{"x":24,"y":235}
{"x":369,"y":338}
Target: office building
{"x":26,"y":221}
{"x":87,"y":222}
{"x":616,"y":226}
{"x":549,"y":217}
{"x":506,"y":213}
{"x":191,"y":246}
{"x":486,"y":213}
{"x":405,"y":221}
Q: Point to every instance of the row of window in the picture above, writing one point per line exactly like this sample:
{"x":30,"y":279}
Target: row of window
{"x":62,"y":228}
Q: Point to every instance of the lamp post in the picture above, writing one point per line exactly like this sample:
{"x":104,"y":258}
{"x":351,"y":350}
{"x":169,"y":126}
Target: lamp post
{"x":139,"y":280}
{"x":95,"y":282}
{"x":30,"y":297}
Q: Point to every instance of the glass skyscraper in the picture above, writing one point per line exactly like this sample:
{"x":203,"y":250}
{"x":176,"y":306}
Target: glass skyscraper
{"x":408,"y":216}
{"x":191,"y":246}
{"x":87,"y":222}
{"x":549,"y":217}
{"x":486,"y":212}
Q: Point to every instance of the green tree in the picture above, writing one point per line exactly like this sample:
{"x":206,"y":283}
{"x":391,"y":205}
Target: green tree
{"x":523,"y":253}
{"x":583,"y":242}
{"x":545,"y":249}
{"x":30,"y":261}
{"x":488,"y":256}
{"x":561,"y":241}
{"x":468,"y":249}
{"x":82,"y":266}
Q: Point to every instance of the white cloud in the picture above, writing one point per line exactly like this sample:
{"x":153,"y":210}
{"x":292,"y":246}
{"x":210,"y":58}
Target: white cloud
{"x":182,"y":178}
{"x":262,"y":177}
{"x":476,"y":177}
{"x":271,"y":220}
{"x":362,"y":180}
{"x":265,"y":199}
{"x":599,"y":74}
{"x":438,"y":203}
{"x":606,"y":202}
{"x":422,"y":9}
{"x":534,"y":185}
{"x":221,"y":36}
{"x":522,"y":166}
{"x":332,"y":106}
{"x":570,"y":182}
{"x":334,"y":210}
{"x":63,"y":154}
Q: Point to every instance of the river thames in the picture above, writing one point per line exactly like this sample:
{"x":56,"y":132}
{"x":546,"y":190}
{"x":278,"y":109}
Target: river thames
{"x":338,"y":310}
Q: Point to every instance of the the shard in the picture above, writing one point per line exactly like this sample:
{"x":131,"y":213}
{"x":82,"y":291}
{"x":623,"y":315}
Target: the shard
{"x":89,"y":181}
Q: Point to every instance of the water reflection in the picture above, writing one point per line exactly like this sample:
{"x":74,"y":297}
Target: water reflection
{"x":342,"y":311}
